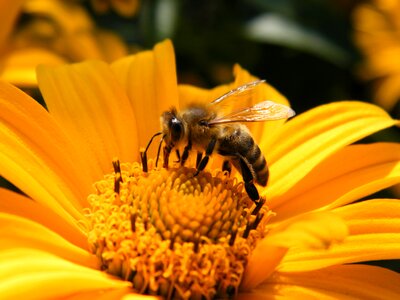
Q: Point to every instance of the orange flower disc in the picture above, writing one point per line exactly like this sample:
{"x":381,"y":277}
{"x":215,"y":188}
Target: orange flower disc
{"x":172,"y":233}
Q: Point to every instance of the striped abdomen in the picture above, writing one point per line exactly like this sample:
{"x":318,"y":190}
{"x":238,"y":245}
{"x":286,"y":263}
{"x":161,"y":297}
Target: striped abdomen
{"x":240,"y":145}
{"x":257,"y":162}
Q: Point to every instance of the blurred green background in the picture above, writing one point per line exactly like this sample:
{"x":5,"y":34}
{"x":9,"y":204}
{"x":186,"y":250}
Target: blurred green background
{"x":303,"y":48}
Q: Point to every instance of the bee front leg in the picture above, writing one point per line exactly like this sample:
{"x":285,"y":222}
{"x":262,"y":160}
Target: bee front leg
{"x":204,"y":161}
{"x":166,"y":152}
{"x":248,"y":178}
{"x":185,"y":153}
{"x":178,"y":156}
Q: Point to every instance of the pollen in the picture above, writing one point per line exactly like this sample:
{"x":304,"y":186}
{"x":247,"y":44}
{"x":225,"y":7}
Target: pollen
{"x":174,"y":234}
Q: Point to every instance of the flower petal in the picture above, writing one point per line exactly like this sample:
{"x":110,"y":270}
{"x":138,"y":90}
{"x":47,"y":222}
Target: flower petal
{"x":374,"y":235}
{"x":149,"y":79}
{"x":123,"y":294}
{"x":20,"y":65}
{"x":20,"y":232}
{"x":371,"y":216}
{"x":87,"y":100}
{"x":350,"y":174}
{"x":27,"y":272}
{"x":16,"y":204}
{"x":37,"y":157}
{"x":303,"y":142}
{"x":310,"y":231}
{"x":9,"y":11}
{"x":338,"y":282}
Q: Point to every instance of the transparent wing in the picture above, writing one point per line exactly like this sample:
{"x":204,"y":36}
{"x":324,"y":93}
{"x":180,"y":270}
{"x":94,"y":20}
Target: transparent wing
{"x":263,"y":111}
{"x":242,"y":90}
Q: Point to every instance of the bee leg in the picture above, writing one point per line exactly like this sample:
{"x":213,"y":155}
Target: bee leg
{"x":249,"y":186}
{"x":185,"y":154}
{"x":167,"y":152}
{"x":178,"y":156}
{"x":198,"y":158}
{"x":226,"y":166}
{"x":204,"y":161}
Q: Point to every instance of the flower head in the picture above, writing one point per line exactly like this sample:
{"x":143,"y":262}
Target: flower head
{"x":378,"y":36}
{"x":56,"y":32}
{"x":97,"y":225}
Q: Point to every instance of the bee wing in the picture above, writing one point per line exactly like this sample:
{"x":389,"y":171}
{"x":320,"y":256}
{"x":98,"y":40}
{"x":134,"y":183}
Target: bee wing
{"x":239,"y":91}
{"x":263,"y":111}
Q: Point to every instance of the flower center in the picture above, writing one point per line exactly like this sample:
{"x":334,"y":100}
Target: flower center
{"x":174,"y":234}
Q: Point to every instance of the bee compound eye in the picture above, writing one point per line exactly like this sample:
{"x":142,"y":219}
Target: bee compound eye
{"x":176,"y":129}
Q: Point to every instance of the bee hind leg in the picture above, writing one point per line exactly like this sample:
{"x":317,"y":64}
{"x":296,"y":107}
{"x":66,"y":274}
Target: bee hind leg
{"x":248,"y":178}
{"x":204,"y":161}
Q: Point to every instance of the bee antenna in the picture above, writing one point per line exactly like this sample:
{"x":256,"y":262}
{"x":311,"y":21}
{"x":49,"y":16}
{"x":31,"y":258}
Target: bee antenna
{"x":151,"y":140}
{"x":159,"y":148}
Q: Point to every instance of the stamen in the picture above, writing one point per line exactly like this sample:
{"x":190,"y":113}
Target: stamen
{"x":118,"y":177}
{"x":116,"y":165}
{"x":143,"y":158}
{"x":117,"y":181}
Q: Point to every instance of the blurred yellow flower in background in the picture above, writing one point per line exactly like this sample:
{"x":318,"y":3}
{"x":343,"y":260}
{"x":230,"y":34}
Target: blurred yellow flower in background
{"x":88,"y":231}
{"x":377,"y":33}
{"x":126,"y":8}
{"x":56,"y":32}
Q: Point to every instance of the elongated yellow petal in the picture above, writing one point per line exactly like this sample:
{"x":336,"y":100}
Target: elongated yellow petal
{"x":292,"y":291}
{"x":87,"y":100}
{"x":9,"y":11}
{"x":348,"y":175}
{"x":16,"y":204}
{"x":356,"y":248}
{"x":339,"y":282}
{"x":27,"y":273}
{"x":38,"y":157}
{"x":123,"y":294}
{"x":20,"y":65}
{"x":374,"y":235}
{"x":149,"y":79}
{"x":308,"y":231}
{"x":308,"y":139}
{"x":372,"y":216}
{"x":20,"y":232}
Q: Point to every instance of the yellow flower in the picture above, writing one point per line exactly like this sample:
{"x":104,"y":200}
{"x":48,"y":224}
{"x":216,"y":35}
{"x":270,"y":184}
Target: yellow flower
{"x":126,"y":8}
{"x":377,"y":34}
{"x":57,"y":32}
{"x":93,"y":229}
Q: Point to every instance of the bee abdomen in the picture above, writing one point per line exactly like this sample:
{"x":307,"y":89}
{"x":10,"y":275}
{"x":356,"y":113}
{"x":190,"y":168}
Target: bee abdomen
{"x":258,"y":163}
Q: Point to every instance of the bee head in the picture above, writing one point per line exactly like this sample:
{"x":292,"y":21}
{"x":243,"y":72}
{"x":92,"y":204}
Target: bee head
{"x":172,"y":126}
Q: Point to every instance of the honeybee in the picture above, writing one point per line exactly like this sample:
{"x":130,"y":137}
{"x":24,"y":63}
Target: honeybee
{"x":207,"y":128}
